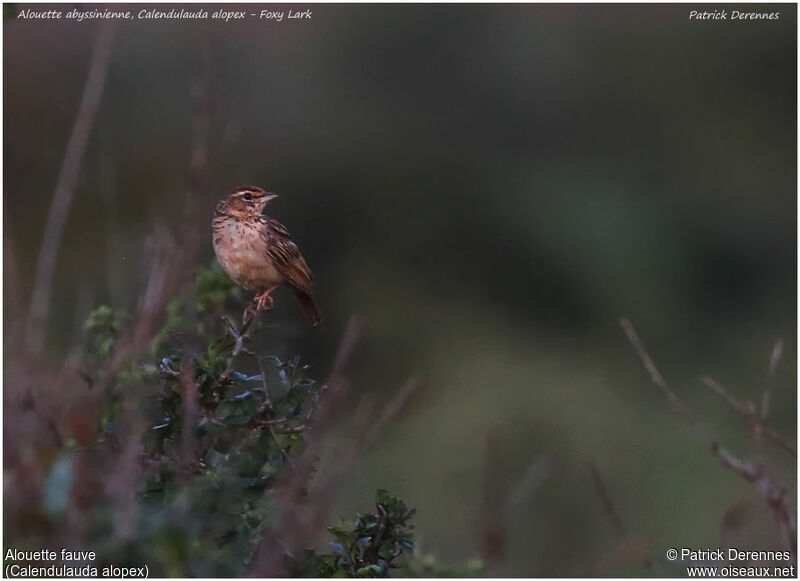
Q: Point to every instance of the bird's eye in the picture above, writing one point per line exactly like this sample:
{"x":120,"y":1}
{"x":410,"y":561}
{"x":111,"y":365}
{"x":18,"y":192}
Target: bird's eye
{"x":248,"y":196}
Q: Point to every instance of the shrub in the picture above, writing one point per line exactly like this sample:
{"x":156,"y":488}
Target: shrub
{"x":184,"y":460}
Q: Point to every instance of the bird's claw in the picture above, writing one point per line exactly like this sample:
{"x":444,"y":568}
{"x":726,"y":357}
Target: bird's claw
{"x":264,"y":302}
{"x":261,"y":302}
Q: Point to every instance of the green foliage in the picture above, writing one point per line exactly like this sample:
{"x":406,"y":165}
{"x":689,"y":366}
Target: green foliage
{"x":200,"y":304}
{"x":370,"y":546}
{"x":182,"y":456}
{"x":103,"y":326}
{"x":218,"y":443}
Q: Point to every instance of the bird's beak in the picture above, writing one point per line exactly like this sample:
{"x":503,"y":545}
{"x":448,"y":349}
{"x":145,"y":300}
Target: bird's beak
{"x":264,"y":200}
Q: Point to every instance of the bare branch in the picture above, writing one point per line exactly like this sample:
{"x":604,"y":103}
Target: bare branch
{"x":121,"y":482}
{"x":656,"y":377}
{"x":608,"y":506}
{"x":239,"y":337}
{"x":392,"y":408}
{"x":740,"y":406}
{"x":166,"y":273}
{"x":748,"y":410}
{"x":302,"y":520}
{"x":66,"y":182}
{"x":190,"y":416}
{"x":352,"y":333}
{"x":777,"y":351}
{"x":531,"y":479}
{"x":14,"y":294}
{"x":493,"y":528}
{"x":753,"y":473}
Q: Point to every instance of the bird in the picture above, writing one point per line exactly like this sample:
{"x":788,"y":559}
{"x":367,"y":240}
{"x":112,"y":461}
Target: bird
{"x":257,"y":251}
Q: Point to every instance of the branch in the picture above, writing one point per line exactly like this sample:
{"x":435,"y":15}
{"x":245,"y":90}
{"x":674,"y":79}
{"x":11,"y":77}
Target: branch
{"x":66,"y":182}
{"x":777,"y":351}
{"x":302,"y":513}
{"x":392,"y":408}
{"x":168,"y":267}
{"x":608,"y":505}
{"x":753,"y":473}
{"x":655,"y":376}
{"x":748,"y":411}
{"x":531,"y":479}
{"x":239,"y":336}
{"x":189,"y":419}
{"x":121,"y":481}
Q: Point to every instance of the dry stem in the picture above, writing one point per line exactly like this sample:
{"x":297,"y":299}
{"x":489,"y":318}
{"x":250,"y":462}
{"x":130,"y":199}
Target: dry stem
{"x":66,"y":182}
{"x":748,"y":411}
{"x":608,"y":505}
{"x":773,"y":494}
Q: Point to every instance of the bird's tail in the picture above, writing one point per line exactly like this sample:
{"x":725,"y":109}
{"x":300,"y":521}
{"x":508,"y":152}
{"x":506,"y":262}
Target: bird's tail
{"x":306,"y":302}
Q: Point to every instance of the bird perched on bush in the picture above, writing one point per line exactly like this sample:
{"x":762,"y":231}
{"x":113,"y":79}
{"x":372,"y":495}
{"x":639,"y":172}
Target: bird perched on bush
{"x":258,"y":253}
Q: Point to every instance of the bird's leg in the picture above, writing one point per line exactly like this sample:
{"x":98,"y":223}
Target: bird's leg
{"x":263,"y":300}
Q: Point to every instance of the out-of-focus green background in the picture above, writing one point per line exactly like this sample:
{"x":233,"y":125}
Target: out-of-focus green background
{"x":491,"y":187}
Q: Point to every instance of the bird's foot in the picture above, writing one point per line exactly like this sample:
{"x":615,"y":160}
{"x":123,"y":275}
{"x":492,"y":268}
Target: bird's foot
{"x":263,"y":301}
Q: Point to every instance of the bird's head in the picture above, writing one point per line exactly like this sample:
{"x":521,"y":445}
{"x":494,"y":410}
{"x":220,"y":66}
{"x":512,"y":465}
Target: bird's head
{"x":247,"y":201}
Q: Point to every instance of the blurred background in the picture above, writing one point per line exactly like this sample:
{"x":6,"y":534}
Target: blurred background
{"x":491,"y":188}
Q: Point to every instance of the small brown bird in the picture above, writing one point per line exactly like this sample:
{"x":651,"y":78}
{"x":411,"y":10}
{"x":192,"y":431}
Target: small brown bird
{"x":257,"y":251}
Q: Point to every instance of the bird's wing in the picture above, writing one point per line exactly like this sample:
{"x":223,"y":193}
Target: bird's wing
{"x":286,"y":256}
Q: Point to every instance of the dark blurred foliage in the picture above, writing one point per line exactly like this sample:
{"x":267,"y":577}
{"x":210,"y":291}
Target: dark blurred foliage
{"x":491,"y":187}
{"x":375,"y":541}
{"x":187,"y":467}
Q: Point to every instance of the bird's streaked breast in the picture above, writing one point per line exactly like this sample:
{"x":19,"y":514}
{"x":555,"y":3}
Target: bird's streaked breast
{"x":242,"y":251}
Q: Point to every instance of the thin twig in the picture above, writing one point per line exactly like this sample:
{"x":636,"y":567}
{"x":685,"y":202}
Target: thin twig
{"x":172,"y":262}
{"x":609,"y":509}
{"x":740,"y":406}
{"x":533,"y":477}
{"x":66,"y":182}
{"x":608,"y":505}
{"x":336,"y":378}
{"x":748,"y":411}
{"x":392,"y":408}
{"x":302,"y":520}
{"x":121,"y":482}
{"x":189,"y":419}
{"x":14,"y":295}
{"x":332,"y":390}
{"x":775,"y":357}
{"x":299,"y":518}
{"x":115,"y":258}
{"x":352,"y":333}
{"x":774,"y":495}
{"x":658,"y":380}
{"x":239,"y":336}
{"x":267,"y":405}
{"x":164,"y":276}
{"x":493,"y":530}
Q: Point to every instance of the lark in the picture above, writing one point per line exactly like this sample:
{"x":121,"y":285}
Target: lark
{"x":258,"y":253}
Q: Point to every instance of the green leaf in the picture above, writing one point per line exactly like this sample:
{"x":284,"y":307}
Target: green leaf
{"x":338,"y":548}
{"x":383,"y":496}
{"x":371,"y":571}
